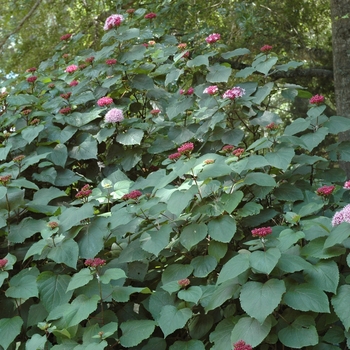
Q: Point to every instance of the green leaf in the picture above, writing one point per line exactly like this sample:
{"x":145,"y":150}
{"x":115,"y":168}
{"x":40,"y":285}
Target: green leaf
{"x":221,"y":336}
{"x":316,"y":111}
{"x":86,"y":149}
{"x":53,"y":289}
{"x":192,"y":234}
{"x":176,"y":272}
{"x":302,"y":332}
{"x":223,"y":292}
{"x":31,"y":132}
{"x":306,"y":297}
{"x":260,"y":179}
{"x":338,"y":235}
{"x":65,"y":252}
{"x":23,"y":285}
{"x":280,"y":159}
{"x":59,"y":155}
{"x":316,"y":249}
{"x":27,"y":228}
{"x":259,"y":300}
{"x":312,"y":140}
{"x":130,"y":137}
{"x":141,"y":82}
{"x":234,"y":267}
{"x":324,"y":275}
{"x":222,"y":229}
{"x":112,"y":274}
{"x":122,"y":294}
{"x":173,"y":76}
{"x":264,"y":67}
{"x":218,"y":73}
{"x":203,"y":265}
{"x":36,"y":342}
{"x":217,"y":249}
{"x":192,"y":294}
{"x":260,"y":96}
{"x":287,"y":238}
{"x":198,"y":61}
{"x":264,"y":262}
{"x":298,"y":125}
{"x":72,"y":314}
{"x":156,"y":240}
{"x":79,"y":279}
{"x":135,"y":331}
{"x":235,"y":53}
{"x":74,"y":216}
{"x":288,"y":192}
{"x":340,"y":303}
{"x":251,"y":331}
{"x":172,"y":319}
{"x":232,"y":200}
{"x":337,"y":124}
{"x":187,"y":345}
{"x":292,"y":263}
{"x":9,"y":329}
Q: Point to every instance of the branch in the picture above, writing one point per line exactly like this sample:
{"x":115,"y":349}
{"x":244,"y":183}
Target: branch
{"x":291,"y":73}
{"x":20,"y":24}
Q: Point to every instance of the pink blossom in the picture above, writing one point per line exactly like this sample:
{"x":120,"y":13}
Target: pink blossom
{"x":227,"y":149}
{"x":111,"y":61}
{"x":242,"y":345}
{"x":90,"y":59}
{"x":150,"y":15}
{"x":317,"y":99}
{"x":74,"y":83}
{"x":155,"y":111}
{"x":211,"y":90}
{"x":174,"y":156}
{"x":238,"y":152}
{"x":186,"y":148}
{"x":66,"y":96}
{"x":145,"y":45}
{"x":341,"y":216}
{"x":113,"y":21}
{"x":261,"y":232}
{"x":95,"y":262}
{"x":82,"y":66}
{"x":3,"y":263}
{"x":272,"y":126}
{"x":188,"y":92}
{"x":72,"y":68}
{"x":105,"y":101}
{"x":347,"y":185}
{"x":234,"y":93}
{"x":65,"y":37}
{"x":31,"y":70}
{"x":133,"y":195}
{"x":32,"y":79}
{"x":186,"y":54}
{"x":84,"y":192}
{"x":213,"y":38}
{"x":130,"y":11}
{"x":325,"y":191}
{"x":114,"y":115}
{"x":182,"y":46}
{"x":266,"y":48}
{"x":65,"y":110}
{"x":184,"y":282}
{"x":51,"y":85}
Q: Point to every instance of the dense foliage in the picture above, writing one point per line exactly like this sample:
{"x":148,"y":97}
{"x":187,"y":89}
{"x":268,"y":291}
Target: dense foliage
{"x":153,"y":197}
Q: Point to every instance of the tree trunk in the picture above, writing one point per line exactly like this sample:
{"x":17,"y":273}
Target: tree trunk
{"x":340,"y":13}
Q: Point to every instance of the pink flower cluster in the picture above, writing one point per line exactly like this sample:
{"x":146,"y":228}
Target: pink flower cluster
{"x":174,"y":156}
{"x":184,"y":282}
{"x":325,"y":191}
{"x":115,"y":115}
{"x":238,"y":152}
{"x":105,"y":101}
{"x":32,"y":79}
{"x":155,"y":111}
{"x":84,"y":192}
{"x":242,"y":345}
{"x":150,"y":15}
{"x":227,"y":149}
{"x":182,"y":46}
{"x":65,"y":110}
{"x":266,"y":48}
{"x":95,"y":262}
{"x":89,"y":59}
{"x":213,"y":38}
{"x":186,"y":148}
{"x":132,"y":195}
{"x":31,"y":70}
{"x":190,"y":91}
{"x":72,"y":68}
{"x":234,"y":93}
{"x":3,"y":263}
{"x":211,"y":90}
{"x":261,"y":232}
{"x":66,"y":96}
{"x":65,"y":37}
{"x":316,"y":100}
{"x":111,"y":61}
{"x":272,"y":126}
{"x":74,"y":83}
{"x":113,"y":21}
{"x":341,"y":216}
{"x":347,"y":185}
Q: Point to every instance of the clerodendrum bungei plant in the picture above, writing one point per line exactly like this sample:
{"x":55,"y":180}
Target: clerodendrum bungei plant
{"x":153,"y":198}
